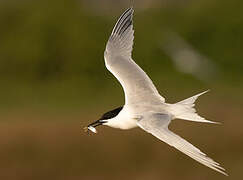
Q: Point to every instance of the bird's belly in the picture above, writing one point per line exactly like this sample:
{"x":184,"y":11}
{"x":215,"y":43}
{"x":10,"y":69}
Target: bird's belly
{"x":122,"y":123}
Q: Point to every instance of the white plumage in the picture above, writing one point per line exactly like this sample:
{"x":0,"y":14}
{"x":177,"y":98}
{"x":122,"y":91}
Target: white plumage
{"x":144,"y":106}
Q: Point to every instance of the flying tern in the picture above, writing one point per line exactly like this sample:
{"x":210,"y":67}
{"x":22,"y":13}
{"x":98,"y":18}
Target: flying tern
{"x":144,"y":106}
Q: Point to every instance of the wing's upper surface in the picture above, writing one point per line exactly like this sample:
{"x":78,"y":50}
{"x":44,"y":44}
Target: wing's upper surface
{"x":137,"y":86}
{"x":157,"y":125}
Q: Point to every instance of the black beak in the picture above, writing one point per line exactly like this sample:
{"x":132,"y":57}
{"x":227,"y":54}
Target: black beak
{"x":96,"y":123}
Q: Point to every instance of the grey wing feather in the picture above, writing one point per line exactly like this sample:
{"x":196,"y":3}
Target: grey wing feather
{"x":158,"y":126}
{"x":135,"y":82}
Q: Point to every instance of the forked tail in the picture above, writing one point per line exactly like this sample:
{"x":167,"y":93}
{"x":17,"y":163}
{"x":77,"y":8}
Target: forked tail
{"x":185,"y":110}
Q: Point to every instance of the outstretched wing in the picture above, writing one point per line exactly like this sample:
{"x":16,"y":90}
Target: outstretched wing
{"x":137,"y":86}
{"x":157,"y":125}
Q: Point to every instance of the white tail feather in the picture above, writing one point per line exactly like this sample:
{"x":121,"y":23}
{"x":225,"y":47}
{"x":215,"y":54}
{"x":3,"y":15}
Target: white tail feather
{"x":185,"y":110}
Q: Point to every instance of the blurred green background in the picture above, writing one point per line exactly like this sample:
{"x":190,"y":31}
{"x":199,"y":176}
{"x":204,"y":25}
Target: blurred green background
{"x":54,"y":82}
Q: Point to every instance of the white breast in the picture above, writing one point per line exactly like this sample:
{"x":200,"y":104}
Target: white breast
{"x":124,"y":120}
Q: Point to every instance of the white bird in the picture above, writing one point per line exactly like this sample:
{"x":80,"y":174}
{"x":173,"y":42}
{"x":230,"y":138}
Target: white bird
{"x":144,"y":106}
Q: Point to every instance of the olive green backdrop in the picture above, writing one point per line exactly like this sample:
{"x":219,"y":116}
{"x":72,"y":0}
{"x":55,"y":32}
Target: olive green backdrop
{"x":53,"y":82}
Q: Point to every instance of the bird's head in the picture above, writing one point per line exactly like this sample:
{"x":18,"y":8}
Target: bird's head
{"x":104,"y":119}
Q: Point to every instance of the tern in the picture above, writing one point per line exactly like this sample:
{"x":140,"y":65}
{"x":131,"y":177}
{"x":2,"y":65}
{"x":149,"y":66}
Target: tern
{"x":144,"y":106}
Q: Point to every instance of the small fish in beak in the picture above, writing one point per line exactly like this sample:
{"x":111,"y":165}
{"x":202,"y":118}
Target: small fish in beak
{"x":91,"y":127}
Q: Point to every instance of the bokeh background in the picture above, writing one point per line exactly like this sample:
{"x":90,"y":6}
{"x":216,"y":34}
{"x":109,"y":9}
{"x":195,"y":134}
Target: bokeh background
{"x":53,"y":82}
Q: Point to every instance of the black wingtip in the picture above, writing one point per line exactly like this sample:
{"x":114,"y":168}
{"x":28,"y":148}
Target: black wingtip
{"x":124,"y":21}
